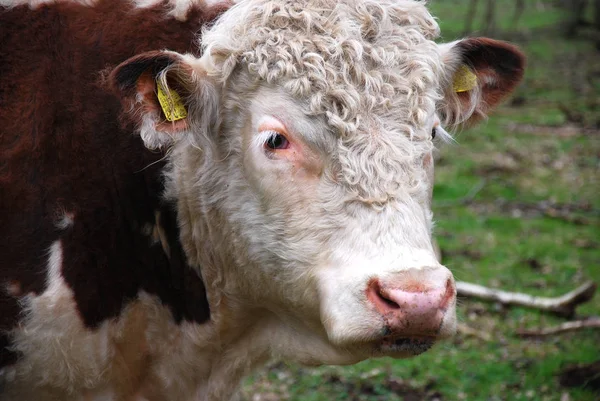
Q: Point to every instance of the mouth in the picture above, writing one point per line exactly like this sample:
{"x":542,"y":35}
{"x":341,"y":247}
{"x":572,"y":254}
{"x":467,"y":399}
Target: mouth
{"x":410,"y":346}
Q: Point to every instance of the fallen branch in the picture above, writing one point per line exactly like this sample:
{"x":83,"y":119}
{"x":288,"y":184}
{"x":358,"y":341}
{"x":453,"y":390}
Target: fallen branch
{"x":469,"y":331}
{"x":561,"y":328}
{"x":563,"y":306}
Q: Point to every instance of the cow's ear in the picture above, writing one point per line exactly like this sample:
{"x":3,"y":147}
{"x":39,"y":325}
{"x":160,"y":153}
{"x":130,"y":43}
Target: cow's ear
{"x":160,"y":92}
{"x":479,"y":73}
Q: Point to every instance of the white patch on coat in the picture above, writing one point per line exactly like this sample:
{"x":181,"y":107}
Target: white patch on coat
{"x":143,"y":353}
{"x":178,"y":8}
{"x":65,"y":220}
{"x":157,"y":233}
{"x":51,"y":333}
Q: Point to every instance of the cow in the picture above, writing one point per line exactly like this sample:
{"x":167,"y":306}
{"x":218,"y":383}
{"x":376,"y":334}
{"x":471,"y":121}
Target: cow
{"x":189,"y":189}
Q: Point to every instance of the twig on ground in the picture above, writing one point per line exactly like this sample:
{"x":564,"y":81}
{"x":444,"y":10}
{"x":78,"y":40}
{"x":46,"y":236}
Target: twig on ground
{"x":469,"y":331}
{"x":563,"y":306}
{"x":569,"y":218}
{"x":561,"y":328}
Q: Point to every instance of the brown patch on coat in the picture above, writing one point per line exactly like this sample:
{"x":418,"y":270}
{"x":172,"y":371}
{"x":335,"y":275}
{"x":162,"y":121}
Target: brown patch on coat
{"x":63,"y":148}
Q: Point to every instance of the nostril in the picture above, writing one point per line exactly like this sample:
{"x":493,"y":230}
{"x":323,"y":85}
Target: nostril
{"x":449,"y":295}
{"x":391,"y":304}
{"x":378,"y":297}
{"x":413,"y":302}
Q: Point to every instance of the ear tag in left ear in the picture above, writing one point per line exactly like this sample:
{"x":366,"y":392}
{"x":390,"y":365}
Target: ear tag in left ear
{"x":464,"y":79}
{"x":170,"y":102}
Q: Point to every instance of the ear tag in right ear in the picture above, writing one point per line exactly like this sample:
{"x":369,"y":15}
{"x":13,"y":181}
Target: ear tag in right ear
{"x":170,"y":102}
{"x":464,"y":79}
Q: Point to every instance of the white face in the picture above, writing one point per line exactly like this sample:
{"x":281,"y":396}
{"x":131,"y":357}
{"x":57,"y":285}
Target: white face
{"x":358,"y":272}
{"x":303,"y":172}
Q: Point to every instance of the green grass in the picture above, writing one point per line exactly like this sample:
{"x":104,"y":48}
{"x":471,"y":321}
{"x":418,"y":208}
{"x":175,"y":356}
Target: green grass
{"x":523,"y":158}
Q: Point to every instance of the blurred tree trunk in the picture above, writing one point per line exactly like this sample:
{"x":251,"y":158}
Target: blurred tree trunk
{"x":519,"y":9}
{"x":596,"y":22}
{"x":490,"y":18}
{"x":471,"y":16}
{"x":575,"y":10}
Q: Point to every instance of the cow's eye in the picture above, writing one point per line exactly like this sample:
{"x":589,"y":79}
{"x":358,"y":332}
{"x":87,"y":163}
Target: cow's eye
{"x":433,"y":132}
{"x":277,"y":141}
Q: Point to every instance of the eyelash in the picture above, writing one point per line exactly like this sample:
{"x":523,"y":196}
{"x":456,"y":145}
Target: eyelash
{"x":276,"y":141}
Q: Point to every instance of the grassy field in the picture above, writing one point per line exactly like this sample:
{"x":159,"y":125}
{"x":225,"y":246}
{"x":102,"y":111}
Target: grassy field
{"x":517,"y":207}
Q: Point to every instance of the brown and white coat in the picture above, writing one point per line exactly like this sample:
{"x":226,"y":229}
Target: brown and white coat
{"x":288,"y":215}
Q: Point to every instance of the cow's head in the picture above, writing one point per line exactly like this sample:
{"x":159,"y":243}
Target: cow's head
{"x":303,"y":170}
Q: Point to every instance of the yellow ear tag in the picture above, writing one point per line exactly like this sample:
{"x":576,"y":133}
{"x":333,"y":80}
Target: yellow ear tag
{"x":464,"y":79}
{"x":170,"y":102}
